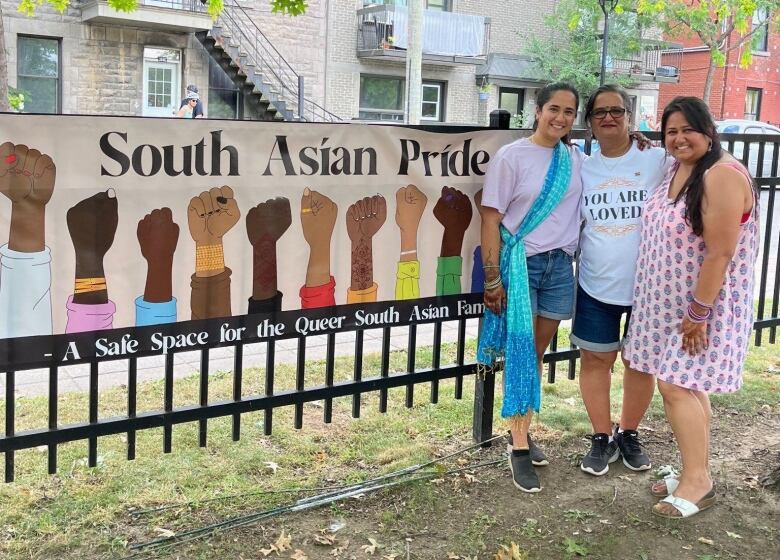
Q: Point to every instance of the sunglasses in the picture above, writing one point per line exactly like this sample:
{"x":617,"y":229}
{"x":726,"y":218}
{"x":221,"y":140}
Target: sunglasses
{"x":615,"y":113}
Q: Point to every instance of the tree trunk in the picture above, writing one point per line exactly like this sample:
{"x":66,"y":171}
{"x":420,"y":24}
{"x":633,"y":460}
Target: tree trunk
{"x":3,"y":67}
{"x":708,"y":80}
{"x":414,"y":62}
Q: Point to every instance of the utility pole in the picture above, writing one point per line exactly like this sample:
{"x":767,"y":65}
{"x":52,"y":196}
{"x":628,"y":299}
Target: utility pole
{"x":607,"y":7}
{"x":414,"y":62}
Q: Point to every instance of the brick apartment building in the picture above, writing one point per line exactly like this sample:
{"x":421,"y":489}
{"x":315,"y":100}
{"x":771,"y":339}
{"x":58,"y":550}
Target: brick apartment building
{"x":737,"y":93}
{"x":348,"y":55}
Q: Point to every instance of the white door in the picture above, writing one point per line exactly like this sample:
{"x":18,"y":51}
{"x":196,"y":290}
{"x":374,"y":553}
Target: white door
{"x":161,"y":89}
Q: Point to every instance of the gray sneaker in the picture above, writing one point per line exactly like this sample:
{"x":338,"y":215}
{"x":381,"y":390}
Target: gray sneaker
{"x":538,"y":458}
{"x":634,"y":455}
{"x":602,"y":453}
{"x":524,"y":476}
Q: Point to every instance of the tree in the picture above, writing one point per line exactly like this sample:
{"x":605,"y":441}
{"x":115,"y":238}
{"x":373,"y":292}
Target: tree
{"x":721,"y":25}
{"x":571,"y":51}
{"x":215,"y":7}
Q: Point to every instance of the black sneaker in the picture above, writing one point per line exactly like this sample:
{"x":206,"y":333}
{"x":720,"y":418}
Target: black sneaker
{"x":634,"y":456}
{"x":524,"y":476}
{"x":602,"y":453}
{"x":538,"y":458}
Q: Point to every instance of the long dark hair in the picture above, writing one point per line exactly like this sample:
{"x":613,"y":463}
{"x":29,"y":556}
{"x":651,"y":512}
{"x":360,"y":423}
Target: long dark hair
{"x":607,"y":88}
{"x":699,"y":119}
{"x":544,"y":95}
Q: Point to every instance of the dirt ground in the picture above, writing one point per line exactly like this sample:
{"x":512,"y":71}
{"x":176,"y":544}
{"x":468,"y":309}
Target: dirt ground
{"x":575,"y":516}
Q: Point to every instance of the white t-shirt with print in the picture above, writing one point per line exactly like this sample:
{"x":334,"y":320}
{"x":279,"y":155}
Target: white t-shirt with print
{"x":613,"y":196}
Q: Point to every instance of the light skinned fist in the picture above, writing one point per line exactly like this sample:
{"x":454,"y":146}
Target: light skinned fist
{"x":410,"y":204}
{"x":318,"y":217}
{"x":211,"y":215}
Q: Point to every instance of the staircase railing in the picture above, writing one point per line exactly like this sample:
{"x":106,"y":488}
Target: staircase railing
{"x":284,"y":81}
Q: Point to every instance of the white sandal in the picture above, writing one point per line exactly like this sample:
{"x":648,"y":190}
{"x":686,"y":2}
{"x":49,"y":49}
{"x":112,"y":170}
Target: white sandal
{"x":671,"y":483}
{"x":685,"y":507}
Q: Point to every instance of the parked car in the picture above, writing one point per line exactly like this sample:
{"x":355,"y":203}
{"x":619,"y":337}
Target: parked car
{"x":741,"y":126}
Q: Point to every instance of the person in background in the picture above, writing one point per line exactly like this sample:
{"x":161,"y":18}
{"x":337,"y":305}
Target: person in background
{"x":648,"y":122}
{"x":530,"y":211}
{"x":693,"y":293}
{"x":197,"y":109}
{"x":616,"y":182}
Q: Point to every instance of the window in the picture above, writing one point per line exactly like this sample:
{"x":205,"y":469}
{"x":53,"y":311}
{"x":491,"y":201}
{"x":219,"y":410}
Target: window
{"x":226,"y":100}
{"x":439,"y":5}
{"x":753,"y":104}
{"x":761,"y":36}
{"x":512,"y":100}
{"x":382,"y":98}
{"x":38,"y":73}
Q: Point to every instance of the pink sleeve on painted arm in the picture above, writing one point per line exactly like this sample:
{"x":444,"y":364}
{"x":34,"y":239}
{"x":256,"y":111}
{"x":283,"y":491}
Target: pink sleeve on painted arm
{"x":85,"y":318}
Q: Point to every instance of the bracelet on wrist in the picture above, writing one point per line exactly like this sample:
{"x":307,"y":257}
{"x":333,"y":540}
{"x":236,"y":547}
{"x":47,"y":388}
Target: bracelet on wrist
{"x":695,"y":317}
{"x":494,"y":283}
{"x":701,"y":303}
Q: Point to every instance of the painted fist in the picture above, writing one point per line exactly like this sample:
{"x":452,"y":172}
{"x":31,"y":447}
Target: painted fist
{"x":92,"y":226}
{"x":453,"y":210}
{"x":26,"y":175}
{"x":365,"y":217}
{"x":318,"y":217}
{"x":410,"y":204}
{"x":268,"y":220}
{"x":158,"y":235}
{"x":211,"y":215}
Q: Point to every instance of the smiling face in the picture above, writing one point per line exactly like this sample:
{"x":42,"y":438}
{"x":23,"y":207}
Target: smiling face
{"x":609,"y":127}
{"x":556,"y":117}
{"x":682,"y":141}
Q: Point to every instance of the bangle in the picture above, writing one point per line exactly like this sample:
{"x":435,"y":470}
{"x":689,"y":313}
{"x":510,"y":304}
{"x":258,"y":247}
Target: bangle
{"x":494,"y":283}
{"x":411,"y":252}
{"x":696,"y":317}
{"x":485,"y":266}
{"x":85,"y":285}
{"x":701,"y":304}
{"x":209,"y":257}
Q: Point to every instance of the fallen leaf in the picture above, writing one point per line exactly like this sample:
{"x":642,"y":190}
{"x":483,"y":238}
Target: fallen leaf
{"x":370,"y":548}
{"x":167,"y":533}
{"x":706,"y":541}
{"x":299,"y":555}
{"x":733,"y":535}
{"x":325,"y":539}
{"x":625,"y":477}
{"x":267,"y":551}
{"x":511,"y":552}
{"x":271,"y":466}
{"x":284,"y":542}
{"x":687,"y":547}
{"x":470,"y":478}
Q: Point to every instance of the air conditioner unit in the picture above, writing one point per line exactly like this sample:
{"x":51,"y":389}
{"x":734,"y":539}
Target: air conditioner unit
{"x":666,"y":71}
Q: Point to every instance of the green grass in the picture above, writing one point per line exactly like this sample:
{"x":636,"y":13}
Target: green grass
{"x":84,"y":511}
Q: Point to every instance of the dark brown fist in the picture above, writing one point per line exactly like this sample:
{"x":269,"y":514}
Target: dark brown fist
{"x":158,"y":235}
{"x":453,"y":210}
{"x":92,"y":226}
{"x":268,"y":220}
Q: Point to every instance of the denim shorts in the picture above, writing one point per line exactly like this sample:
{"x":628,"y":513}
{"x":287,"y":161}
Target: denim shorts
{"x":597,"y":324}
{"x":551,"y":283}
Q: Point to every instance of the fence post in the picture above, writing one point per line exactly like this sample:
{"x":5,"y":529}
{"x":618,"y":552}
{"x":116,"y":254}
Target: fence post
{"x":484,"y":389}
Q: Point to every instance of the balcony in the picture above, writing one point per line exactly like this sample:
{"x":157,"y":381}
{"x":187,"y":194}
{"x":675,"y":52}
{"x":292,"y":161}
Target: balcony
{"x":185,"y":16}
{"x":449,"y":38}
{"x":657,"y":61}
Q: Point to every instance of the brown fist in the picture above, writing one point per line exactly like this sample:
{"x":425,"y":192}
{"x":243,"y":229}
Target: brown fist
{"x":318,"y":217}
{"x":453,"y":210}
{"x":268,"y":220}
{"x":158,"y":235}
{"x":26,"y":175}
{"x":92,"y":226}
{"x":410,"y":204}
{"x":211,"y":214}
{"x":365,"y":217}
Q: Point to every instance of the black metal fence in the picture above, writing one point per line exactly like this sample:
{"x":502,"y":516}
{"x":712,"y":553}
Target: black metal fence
{"x":767,"y":319}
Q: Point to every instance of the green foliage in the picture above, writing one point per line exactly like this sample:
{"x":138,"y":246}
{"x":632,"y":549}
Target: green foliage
{"x":16,"y":99}
{"x":215,"y":7}
{"x":573,"y":53}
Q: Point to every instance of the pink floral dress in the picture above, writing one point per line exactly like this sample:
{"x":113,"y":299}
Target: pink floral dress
{"x":670,"y":257}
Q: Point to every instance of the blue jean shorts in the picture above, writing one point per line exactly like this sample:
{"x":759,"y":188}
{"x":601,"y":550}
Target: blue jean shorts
{"x":597,"y":324}
{"x":551,"y":283}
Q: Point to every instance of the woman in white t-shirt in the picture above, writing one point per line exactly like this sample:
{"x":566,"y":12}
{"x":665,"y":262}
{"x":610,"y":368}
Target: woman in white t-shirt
{"x":616,"y":183}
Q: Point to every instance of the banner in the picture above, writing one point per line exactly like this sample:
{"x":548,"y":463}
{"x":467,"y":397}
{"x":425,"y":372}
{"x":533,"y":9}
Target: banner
{"x":117,"y":232}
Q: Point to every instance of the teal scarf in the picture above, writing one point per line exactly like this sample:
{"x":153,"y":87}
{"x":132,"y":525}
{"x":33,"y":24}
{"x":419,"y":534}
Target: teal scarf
{"x":510,"y":335}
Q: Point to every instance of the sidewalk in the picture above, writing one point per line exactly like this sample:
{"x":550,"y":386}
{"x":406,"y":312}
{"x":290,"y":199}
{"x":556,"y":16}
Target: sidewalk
{"x":75,"y":378}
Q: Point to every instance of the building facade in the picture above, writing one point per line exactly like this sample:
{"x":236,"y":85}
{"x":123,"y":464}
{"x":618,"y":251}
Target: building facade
{"x":751,"y":93}
{"x":341,"y":60}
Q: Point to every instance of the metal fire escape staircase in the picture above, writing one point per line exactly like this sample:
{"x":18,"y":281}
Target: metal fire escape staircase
{"x":271,"y":85}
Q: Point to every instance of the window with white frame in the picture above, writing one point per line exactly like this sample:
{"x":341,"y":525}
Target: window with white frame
{"x":38,"y":73}
{"x":162,"y":74}
{"x":383,"y":98}
{"x":761,"y":35}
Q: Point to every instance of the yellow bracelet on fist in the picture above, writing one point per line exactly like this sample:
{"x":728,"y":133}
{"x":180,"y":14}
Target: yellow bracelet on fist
{"x":209,"y":257}
{"x":85,"y":285}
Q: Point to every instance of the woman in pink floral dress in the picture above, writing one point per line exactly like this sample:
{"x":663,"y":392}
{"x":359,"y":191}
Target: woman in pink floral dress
{"x":693,"y":295}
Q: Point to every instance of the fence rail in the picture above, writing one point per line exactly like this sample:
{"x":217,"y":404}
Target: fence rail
{"x":767,"y":319}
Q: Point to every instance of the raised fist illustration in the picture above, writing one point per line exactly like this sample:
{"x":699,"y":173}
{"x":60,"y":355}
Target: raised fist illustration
{"x":453,"y":210}
{"x":26,"y":175}
{"x":318,"y":217}
{"x":410,"y":204}
{"x":211,"y":214}
{"x":158,"y":235}
{"x":365,"y":217}
{"x":92,"y":226}
{"x":268,"y":221}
